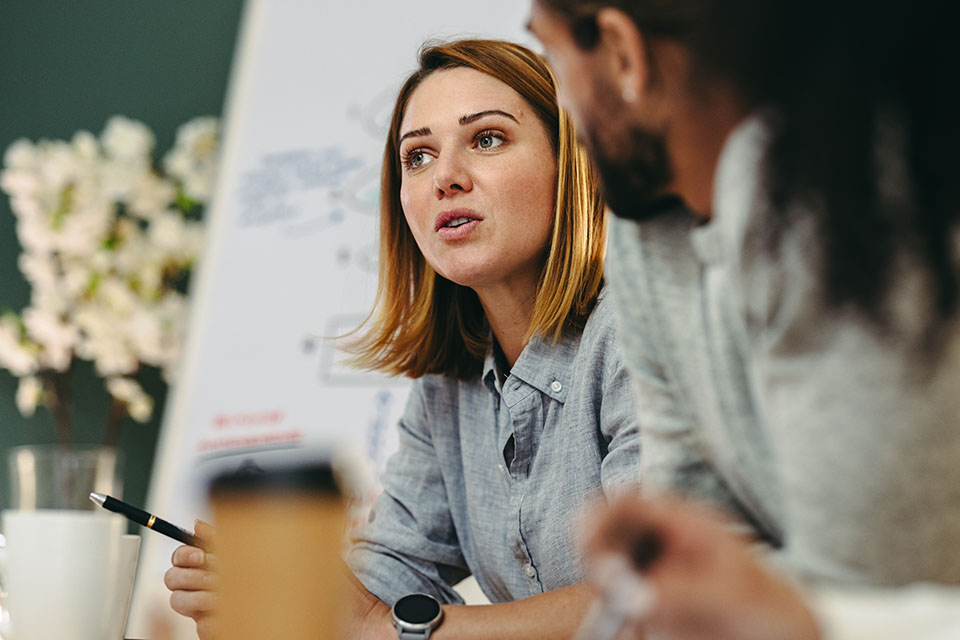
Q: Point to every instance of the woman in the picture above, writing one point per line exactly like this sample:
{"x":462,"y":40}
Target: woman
{"x":492,"y":241}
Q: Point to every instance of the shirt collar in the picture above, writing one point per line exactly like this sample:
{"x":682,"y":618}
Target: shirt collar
{"x":543,"y":364}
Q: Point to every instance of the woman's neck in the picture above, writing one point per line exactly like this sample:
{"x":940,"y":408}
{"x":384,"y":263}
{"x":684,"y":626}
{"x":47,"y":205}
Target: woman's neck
{"x":509,"y":310}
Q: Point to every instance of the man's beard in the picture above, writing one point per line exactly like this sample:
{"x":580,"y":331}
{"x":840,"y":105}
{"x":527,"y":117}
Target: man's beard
{"x":633,"y":181}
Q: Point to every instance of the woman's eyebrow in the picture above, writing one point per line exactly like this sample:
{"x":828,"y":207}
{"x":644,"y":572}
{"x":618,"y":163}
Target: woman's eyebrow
{"x":467,"y":119}
{"x":473,"y":117}
{"x":422,"y":131}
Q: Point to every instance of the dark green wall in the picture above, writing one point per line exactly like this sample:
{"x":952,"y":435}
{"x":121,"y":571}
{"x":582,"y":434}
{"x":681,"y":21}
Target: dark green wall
{"x":66,"y":66}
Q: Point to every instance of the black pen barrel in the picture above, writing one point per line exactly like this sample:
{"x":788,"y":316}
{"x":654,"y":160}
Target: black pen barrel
{"x":137,"y":515}
{"x":151,"y":521}
{"x":175,"y":532}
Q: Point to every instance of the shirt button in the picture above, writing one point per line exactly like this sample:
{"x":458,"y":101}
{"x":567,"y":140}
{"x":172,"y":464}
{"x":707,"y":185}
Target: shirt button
{"x":531,"y":572}
{"x":556,"y":386}
{"x":502,"y":469}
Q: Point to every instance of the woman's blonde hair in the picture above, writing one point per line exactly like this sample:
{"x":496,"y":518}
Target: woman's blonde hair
{"x":422,"y":323}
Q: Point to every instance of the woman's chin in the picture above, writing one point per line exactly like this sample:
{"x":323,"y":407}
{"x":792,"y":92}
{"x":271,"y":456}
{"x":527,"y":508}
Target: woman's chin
{"x":471,"y":276}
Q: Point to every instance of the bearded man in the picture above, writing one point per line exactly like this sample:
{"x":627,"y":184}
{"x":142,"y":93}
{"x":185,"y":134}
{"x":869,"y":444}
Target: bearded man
{"x":792,"y":330}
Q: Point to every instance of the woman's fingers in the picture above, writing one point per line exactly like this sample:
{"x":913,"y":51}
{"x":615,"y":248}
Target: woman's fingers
{"x":207,"y":628}
{"x":187,"y":556}
{"x":193,"y":582}
{"x":190,"y":579}
{"x":193,"y":604}
{"x":191,"y":557}
{"x":203,"y":529}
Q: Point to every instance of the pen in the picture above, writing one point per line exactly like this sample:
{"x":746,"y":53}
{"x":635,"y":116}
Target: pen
{"x":148,"y":520}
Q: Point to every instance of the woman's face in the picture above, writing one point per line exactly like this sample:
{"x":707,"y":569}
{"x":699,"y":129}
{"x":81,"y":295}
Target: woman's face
{"x":479,"y":176}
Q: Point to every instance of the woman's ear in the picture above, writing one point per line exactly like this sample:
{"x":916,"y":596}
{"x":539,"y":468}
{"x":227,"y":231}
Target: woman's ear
{"x":625,"y":52}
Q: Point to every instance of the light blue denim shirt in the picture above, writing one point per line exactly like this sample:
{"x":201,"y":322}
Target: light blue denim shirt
{"x":489,"y":479}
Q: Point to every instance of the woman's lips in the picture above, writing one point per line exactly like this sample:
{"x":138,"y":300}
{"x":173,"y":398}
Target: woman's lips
{"x":458,"y":232}
{"x":456,"y":223}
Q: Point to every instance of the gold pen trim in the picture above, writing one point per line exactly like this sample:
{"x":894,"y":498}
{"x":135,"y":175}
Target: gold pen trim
{"x":150,"y":522}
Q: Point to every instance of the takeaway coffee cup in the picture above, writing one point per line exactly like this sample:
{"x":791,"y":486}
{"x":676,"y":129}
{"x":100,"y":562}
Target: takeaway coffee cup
{"x":279,"y":535}
{"x":67,"y":574}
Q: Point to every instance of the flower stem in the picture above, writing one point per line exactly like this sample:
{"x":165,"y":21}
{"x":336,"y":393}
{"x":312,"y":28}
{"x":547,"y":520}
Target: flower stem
{"x":115,"y":417}
{"x":59,"y":403}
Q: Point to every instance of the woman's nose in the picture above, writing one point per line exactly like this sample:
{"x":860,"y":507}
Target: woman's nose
{"x":451,"y":175}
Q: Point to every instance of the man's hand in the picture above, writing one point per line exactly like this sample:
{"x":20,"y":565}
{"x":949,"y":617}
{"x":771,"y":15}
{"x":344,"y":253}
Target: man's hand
{"x":707,"y":581}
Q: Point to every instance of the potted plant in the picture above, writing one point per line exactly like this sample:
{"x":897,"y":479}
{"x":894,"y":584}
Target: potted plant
{"x":108,"y":240}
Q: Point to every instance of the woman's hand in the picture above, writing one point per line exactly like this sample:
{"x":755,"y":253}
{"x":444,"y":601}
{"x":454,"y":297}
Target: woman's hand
{"x":193,"y":581}
{"x":707,"y":581}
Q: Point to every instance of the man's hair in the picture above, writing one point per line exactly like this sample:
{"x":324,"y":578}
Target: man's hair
{"x":422,"y":323}
{"x":856,"y":90}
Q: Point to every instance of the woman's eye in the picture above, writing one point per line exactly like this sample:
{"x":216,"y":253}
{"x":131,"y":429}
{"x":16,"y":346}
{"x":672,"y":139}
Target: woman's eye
{"x":489,"y":141}
{"x":416,"y":159}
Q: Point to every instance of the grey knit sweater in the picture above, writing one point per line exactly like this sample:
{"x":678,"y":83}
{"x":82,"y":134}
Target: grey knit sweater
{"x":833,"y":441}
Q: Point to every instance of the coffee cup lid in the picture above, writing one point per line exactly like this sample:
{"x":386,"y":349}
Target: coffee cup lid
{"x":315,"y":477}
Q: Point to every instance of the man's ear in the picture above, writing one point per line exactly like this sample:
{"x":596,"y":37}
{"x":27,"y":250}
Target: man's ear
{"x":626,"y":53}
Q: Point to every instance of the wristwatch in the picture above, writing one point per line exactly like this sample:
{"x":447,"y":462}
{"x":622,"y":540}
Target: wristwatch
{"x":416,"y":616}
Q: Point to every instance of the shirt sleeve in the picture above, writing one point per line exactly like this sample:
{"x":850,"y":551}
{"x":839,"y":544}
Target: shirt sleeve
{"x":410,"y":544}
{"x":673,"y":459}
{"x":620,"y":468}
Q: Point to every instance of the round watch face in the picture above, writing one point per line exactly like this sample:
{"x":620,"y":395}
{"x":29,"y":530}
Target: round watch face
{"x":416,"y":609}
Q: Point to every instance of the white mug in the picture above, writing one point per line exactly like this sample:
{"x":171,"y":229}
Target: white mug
{"x":67,"y":574}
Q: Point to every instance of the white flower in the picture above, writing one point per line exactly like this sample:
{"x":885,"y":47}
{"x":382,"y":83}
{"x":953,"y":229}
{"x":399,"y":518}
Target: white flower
{"x":147,"y":336}
{"x":193,"y":241}
{"x":110,"y":354}
{"x":77,"y":278}
{"x":91,"y":320}
{"x":199,"y":185}
{"x":119,"y":177}
{"x":54,"y":299}
{"x":60,"y":166}
{"x":151,"y":195}
{"x":84,"y":231}
{"x":123,"y":388}
{"x":31,"y":209}
{"x":38,"y":269}
{"x":86,"y":146}
{"x":102,"y":240}
{"x":117,"y":296}
{"x":35,"y":236}
{"x":130,"y":255}
{"x":54,"y":336}
{"x":193,"y":159}
{"x":21,"y":184}
{"x":139,"y":404}
{"x":167,"y":232}
{"x":128,"y":139}
{"x":150,"y":275}
{"x":141,"y":409}
{"x":16,"y":355}
{"x":29,"y":393}
{"x":22,"y":154}
{"x":103,"y":341}
{"x":173,"y":311}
